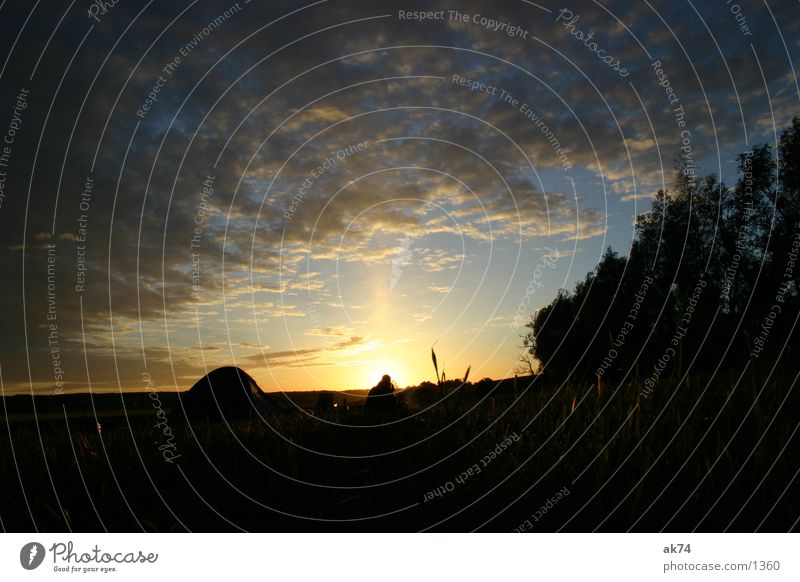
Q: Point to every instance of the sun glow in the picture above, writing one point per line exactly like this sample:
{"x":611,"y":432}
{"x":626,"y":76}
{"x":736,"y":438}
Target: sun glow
{"x":373,"y":371}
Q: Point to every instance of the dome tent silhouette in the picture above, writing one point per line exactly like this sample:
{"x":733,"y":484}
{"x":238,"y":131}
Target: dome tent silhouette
{"x":228,"y":392}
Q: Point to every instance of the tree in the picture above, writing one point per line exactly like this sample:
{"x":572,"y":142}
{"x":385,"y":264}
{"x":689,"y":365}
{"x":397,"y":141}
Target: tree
{"x":716,"y":257}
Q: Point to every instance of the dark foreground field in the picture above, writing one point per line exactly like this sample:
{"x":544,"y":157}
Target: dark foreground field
{"x":534,"y":457}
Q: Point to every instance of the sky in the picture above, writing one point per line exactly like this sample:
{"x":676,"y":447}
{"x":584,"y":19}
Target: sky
{"x":318,"y":192}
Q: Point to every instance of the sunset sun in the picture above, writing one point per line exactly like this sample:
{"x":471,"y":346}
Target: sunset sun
{"x":374,"y":370}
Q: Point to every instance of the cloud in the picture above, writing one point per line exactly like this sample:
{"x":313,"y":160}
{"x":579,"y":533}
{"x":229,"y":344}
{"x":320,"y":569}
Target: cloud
{"x":170,"y":260}
{"x":335,"y":331}
{"x":312,"y":356}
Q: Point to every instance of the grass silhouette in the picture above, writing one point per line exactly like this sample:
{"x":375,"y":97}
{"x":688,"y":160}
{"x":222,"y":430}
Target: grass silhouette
{"x":710,"y":454}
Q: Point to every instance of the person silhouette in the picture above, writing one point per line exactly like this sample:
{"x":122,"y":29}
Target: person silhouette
{"x":381,"y":398}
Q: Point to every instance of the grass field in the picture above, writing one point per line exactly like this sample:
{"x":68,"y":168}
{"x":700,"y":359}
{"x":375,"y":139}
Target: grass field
{"x":691,"y":456}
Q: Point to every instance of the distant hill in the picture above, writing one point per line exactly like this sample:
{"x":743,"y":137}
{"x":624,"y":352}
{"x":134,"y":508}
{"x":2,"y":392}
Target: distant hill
{"x":114,"y":409}
{"x":24,"y":408}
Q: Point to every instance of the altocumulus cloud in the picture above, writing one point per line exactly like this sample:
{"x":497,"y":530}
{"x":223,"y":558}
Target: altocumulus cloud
{"x":266,"y":97}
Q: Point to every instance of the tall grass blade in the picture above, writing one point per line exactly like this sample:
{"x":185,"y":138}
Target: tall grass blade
{"x":435,"y":365}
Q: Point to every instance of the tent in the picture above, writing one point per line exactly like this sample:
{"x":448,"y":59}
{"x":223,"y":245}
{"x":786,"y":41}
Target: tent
{"x":227,"y":392}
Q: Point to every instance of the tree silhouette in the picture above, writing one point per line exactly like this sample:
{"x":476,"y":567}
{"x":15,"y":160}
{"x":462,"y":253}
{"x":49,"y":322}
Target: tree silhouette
{"x":706,"y":264}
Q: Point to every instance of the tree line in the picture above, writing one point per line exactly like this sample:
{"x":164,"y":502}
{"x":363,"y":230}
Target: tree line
{"x":710,"y":280}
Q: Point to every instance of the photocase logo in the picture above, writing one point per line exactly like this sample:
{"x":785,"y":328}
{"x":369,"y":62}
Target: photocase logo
{"x":31,"y":555}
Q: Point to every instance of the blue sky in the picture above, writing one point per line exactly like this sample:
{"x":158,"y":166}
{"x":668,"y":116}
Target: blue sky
{"x":430,"y":231}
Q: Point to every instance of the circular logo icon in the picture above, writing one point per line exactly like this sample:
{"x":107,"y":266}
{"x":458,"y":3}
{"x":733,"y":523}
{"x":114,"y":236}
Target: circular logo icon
{"x":31,"y":555}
